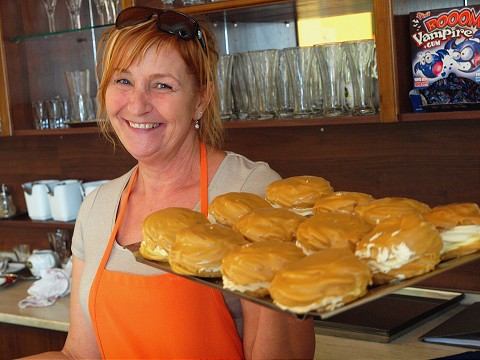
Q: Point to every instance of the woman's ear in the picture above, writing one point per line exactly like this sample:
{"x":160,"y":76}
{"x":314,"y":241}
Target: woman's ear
{"x":202,"y":103}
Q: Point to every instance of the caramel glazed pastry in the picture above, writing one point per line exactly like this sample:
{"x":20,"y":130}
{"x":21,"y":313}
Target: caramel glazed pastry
{"x":251,"y":268}
{"x":331,"y":230}
{"x":459,"y":226}
{"x":269,"y":224}
{"x":199,"y":249}
{"x":160,"y":228}
{"x":298,"y":193}
{"x":341,"y":201}
{"x":227,"y":208}
{"x":388,"y":207}
{"x":323,"y":282}
{"x":400,"y":248}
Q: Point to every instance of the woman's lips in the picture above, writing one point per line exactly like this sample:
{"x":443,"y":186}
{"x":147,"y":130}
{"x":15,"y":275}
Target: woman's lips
{"x":143,"y":125}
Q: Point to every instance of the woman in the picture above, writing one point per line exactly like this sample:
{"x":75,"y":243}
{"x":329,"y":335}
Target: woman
{"x":158,"y":92}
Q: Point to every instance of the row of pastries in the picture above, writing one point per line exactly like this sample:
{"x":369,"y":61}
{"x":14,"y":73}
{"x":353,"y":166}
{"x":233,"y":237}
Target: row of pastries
{"x":308,"y":247}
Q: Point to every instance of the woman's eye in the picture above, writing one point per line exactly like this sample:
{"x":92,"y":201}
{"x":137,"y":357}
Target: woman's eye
{"x":122,"y":81}
{"x":162,"y":86}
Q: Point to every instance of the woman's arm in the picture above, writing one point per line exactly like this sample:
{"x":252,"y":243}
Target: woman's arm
{"x":270,"y":334}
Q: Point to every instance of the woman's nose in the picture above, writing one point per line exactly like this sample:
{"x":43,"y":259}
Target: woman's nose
{"x":139,"y":102}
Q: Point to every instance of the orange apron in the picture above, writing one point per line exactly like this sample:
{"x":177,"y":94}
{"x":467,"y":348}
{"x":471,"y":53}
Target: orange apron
{"x":162,"y":316}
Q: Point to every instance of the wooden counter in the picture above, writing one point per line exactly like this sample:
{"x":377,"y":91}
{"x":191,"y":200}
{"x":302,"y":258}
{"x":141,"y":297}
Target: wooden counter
{"x":41,"y":329}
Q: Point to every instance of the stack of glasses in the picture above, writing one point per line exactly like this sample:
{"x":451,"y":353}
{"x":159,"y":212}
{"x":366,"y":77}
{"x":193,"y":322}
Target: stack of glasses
{"x":300,"y":82}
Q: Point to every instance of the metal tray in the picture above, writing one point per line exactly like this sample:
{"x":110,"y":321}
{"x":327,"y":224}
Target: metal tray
{"x":372,"y":294}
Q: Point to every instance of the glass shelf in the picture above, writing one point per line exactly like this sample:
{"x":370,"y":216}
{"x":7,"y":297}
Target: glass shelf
{"x":36,"y":36}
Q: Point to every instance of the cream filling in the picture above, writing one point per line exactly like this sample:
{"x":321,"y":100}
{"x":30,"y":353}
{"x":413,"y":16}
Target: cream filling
{"x":228,"y":284}
{"x":305,"y":250}
{"x":328,"y":303}
{"x":209,"y":270}
{"x":143,"y":125}
{"x":459,"y":236}
{"x":299,"y":211}
{"x":387,"y":258}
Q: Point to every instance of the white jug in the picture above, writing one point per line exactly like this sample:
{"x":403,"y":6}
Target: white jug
{"x":38,"y":206}
{"x":65,"y":198}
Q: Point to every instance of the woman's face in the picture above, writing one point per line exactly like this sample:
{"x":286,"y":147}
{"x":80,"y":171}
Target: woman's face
{"x":152,"y":104}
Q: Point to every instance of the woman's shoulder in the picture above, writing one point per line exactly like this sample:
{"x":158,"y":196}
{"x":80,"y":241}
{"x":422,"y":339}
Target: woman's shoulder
{"x":238,"y":173}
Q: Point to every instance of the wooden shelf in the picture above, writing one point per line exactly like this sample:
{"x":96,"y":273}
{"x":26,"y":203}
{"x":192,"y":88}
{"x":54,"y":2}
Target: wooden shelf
{"x":25,"y":221}
{"x":57,"y":132}
{"x":337,"y":120}
{"x":439,"y":116}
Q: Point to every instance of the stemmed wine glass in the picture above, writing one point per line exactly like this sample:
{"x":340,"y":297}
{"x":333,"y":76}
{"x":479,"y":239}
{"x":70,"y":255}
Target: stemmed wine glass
{"x":101,"y":5}
{"x":114,"y":4}
{"x":74,"y":12}
{"x":50,"y":9}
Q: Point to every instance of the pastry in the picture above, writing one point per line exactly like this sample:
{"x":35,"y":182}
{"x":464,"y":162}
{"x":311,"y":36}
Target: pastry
{"x":198,"y":250}
{"x":227,"y":208}
{"x":459,"y":226}
{"x":341,"y":201}
{"x":298,"y":193}
{"x":399,"y":248}
{"x":331,"y":230}
{"x":388,"y":207}
{"x":251,"y":268}
{"x":160,"y":228}
{"x":323,"y":282}
{"x":269,"y":224}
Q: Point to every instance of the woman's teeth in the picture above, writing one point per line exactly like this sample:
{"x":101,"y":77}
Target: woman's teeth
{"x":143,"y":125}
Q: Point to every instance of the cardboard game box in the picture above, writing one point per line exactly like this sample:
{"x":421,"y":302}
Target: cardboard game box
{"x":445,"y":58}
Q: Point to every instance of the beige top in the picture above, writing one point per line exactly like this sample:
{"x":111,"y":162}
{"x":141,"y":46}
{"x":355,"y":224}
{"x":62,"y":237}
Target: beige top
{"x":97,"y":215}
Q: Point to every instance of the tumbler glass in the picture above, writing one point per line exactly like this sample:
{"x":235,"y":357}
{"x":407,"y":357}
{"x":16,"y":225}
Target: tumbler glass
{"x":299,"y":61}
{"x":361,"y":57}
{"x":285,"y":99}
{"x":330,"y":59}
{"x":74,"y":7}
{"x":264,"y":64}
{"x":81,"y":104}
{"x":225,"y":86}
{"x":40,"y":117}
{"x":243,"y":86}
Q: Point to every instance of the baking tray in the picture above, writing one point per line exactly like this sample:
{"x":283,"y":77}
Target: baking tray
{"x":372,"y":294}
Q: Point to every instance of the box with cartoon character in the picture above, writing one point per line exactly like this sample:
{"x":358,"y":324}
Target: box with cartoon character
{"x":446,"y":58}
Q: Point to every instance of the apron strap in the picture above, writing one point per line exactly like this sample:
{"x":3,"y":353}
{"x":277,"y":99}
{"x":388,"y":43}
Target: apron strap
{"x":203,"y":179}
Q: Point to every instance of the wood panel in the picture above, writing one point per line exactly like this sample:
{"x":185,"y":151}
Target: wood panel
{"x":18,"y":341}
{"x":436,"y":161}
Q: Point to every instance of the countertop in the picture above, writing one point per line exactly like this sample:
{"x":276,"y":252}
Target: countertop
{"x":55,"y":317}
{"x":407,"y":346}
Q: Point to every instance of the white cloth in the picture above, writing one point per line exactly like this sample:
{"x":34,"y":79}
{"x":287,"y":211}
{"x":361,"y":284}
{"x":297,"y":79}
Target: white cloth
{"x":54,"y":283}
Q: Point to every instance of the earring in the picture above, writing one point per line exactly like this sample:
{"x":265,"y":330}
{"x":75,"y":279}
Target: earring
{"x":196,"y":125}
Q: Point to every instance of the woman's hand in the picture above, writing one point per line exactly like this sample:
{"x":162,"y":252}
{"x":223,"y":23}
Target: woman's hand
{"x":270,"y":334}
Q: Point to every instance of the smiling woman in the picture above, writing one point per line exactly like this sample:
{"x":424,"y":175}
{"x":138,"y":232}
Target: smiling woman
{"x":157,"y":96}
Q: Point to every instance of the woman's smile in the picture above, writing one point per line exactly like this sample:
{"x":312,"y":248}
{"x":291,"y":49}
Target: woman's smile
{"x":145,"y":126}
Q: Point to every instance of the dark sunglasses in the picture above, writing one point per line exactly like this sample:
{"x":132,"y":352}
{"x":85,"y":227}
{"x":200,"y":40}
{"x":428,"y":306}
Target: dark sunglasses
{"x":168,"y":21}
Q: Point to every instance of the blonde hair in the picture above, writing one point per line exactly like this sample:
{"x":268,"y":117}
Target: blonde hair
{"x":119,"y":48}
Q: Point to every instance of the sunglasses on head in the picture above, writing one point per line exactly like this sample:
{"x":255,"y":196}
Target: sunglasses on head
{"x":168,"y":21}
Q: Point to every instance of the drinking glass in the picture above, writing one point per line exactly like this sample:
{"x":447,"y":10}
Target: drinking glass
{"x":22,"y":252}
{"x":81,"y":104}
{"x":102,"y":10}
{"x":50,"y":9}
{"x":299,"y":61}
{"x":243,"y":86}
{"x":361,"y":57}
{"x":114,"y":5}
{"x":285,"y":100}
{"x":40,"y":117}
{"x":74,"y":7}
{"x":330,"y":59}
{"x":60,"y":242}
{"x":225,"y":86}
{"x":264,"y":65}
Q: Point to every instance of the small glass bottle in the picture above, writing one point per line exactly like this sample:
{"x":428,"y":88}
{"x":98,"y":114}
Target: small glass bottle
{"x":7,"y":208}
